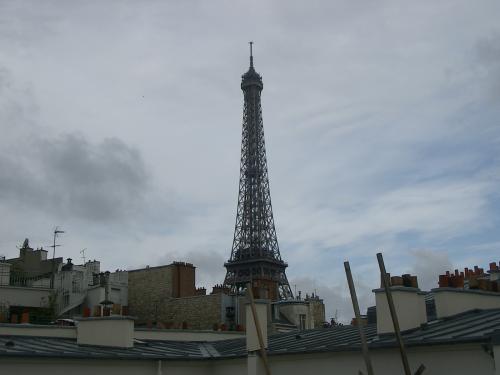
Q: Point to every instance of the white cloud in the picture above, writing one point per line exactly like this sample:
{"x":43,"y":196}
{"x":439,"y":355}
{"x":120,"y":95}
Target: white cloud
{"x":428,"y":265}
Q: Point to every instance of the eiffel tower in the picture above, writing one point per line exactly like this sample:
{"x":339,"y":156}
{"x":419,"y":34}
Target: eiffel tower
{"x":255,"y":255}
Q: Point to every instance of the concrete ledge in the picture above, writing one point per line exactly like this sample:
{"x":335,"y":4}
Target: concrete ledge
{"x":37,"y":330}
{"x":29,"y":325}
{"x":111,"y":317}
{"x":468,"y":291}
{"x":400,"y":288}
{"x":186,"y":335}
{"x":142,"y":329}
{"x":291,"y":302}
{"x":43,"y":288}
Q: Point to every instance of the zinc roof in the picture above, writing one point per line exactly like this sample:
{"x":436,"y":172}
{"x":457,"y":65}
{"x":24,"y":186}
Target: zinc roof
{"x":472,"y":326}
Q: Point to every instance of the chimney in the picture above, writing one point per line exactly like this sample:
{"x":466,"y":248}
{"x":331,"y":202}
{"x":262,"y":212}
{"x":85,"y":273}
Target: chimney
{"x":471,"y":289}
{"x":409,"y":303}
{"x":451,"y":301}
{"x":255,"y":365}
{"x":115,"y":331}
{"x":251,"y":331}
{"x":495,"y":273}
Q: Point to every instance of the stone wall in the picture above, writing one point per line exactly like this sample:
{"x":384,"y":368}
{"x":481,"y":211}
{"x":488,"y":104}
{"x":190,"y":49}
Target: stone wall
{"x":197,"y":312}
{"x":318,"y":312}
{"x":147,"y":289}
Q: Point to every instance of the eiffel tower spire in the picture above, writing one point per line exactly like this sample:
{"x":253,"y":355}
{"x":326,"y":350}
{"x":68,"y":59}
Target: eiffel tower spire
{"x":255,"y":255}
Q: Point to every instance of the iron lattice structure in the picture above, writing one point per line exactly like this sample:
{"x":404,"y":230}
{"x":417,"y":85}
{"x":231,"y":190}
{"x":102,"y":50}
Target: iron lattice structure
{"x":255,"y":255}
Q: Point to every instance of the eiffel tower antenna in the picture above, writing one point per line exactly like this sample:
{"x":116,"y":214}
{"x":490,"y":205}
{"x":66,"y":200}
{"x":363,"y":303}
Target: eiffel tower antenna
{"x":251,"y":54}
{"x":255,"y":254}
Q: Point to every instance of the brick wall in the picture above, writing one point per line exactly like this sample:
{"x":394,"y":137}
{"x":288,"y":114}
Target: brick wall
{"x":183,"y":279}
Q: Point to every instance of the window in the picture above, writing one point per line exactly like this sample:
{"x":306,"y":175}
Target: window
{"x":302,"y":321}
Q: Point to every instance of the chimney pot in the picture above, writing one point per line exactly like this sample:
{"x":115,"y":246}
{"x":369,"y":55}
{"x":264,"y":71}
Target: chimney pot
{"x":414,"y":281}
{"x":407,"y":280}
{"x":382,"y":279}
{"x":397,"y":281}
{"x":443,"y":281}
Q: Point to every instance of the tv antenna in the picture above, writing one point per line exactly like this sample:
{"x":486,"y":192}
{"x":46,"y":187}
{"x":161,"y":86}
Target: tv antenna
{"x":57,"y":231}
{"x":82,"y":251}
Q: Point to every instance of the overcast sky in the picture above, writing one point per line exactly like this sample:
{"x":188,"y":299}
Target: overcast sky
{"x":120,"y":122}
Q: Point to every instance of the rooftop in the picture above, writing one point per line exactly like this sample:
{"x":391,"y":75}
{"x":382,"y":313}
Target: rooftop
{"x":480,"y":326}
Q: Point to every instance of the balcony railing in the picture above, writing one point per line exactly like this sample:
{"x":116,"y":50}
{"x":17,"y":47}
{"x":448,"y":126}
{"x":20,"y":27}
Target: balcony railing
{"x":25,"y":279}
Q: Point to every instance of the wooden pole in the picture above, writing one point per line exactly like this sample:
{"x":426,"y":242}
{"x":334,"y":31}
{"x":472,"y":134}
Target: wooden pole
{"x":394,"y":316}
{"x":263,"y":352}
{"x":355,"y":305}
{"x":420,"y":370}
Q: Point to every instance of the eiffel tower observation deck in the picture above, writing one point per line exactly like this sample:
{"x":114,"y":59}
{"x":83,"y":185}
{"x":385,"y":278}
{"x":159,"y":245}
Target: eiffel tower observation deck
{"x":255,"y":255}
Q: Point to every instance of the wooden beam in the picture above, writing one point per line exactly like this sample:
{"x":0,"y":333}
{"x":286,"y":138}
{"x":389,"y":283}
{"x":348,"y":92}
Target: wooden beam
{"x":355,"y":305}
{"x":392,"y":309}
{"x":263,"y":352}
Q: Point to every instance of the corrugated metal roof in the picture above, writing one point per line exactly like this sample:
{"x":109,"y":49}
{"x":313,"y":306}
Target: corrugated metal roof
{"x":472,"y":326}
{"x":28,"y":346}
{"x":475,"y":325}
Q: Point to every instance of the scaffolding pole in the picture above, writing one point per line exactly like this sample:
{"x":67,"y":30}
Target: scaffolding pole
{"x":355,"y":305}
{"x":263,"y":352}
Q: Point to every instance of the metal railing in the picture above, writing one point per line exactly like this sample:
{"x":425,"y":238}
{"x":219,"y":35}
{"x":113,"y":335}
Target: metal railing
{"x":24,"y":279}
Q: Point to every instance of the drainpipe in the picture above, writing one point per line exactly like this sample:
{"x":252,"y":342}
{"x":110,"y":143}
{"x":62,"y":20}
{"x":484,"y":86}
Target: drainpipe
{"x":158,"y":368}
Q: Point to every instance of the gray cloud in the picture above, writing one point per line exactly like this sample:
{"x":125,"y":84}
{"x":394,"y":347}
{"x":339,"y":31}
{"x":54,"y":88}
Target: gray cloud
{"x":65,"y":175}
{"x":102,"y":181}
{"x":488,"y":55}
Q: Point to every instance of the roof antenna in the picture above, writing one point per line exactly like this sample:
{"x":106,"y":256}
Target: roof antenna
{"x":57,"y":231}
{"x":83,"y":255}
{"x":251,"y":54}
